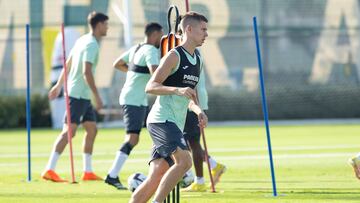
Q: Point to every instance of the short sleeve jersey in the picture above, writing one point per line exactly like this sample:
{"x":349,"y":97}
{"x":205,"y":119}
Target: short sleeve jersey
{"x":86,"y":49}
{"x":139,"y":59}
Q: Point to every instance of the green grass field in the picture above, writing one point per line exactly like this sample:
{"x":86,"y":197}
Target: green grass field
{"x":310,"y":164}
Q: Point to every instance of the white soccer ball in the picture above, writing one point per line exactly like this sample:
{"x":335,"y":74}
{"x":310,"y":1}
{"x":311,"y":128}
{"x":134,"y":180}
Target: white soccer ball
{"x":187,"y":179}
{"x":135,"y":180}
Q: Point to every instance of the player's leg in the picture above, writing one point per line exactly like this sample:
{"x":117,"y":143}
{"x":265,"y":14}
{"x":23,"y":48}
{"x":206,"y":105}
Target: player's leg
{"x":88,"y":145}
{"x":192,"y":136}
{"x":199,"y":182}
{"x":198,"y":158}
{"x":169,"y":141}
{"x":133,"y":119}
{"x":89,"y":124}
{"x":62,"y":140}
{"x":217,"y":169}
{"x":355,"y":163}
{"x":112,"y":178}
{"x":59,"y":146}
{"x":158,"y":167}
{"x":182,"y":163}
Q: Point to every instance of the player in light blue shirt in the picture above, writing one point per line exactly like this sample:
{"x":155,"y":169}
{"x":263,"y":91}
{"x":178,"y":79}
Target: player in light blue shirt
{"x":139,"y":62}
{"x":81,"y":63}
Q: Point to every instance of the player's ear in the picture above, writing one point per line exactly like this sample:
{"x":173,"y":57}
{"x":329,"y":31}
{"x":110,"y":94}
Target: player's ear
{"x":188,"y":27}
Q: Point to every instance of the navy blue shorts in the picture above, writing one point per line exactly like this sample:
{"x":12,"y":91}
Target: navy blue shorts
{"x":167,"y":137}
{"x":191,"y":129}
{"x":154,"y":155}
{"x":134,"y":117}
{"x":81,"y":110}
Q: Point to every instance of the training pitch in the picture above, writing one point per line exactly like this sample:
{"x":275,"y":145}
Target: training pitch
{"x":310,"y":165}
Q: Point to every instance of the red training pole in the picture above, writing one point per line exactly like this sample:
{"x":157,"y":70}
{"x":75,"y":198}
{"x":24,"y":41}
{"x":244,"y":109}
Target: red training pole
{"x":67,"y":103}
{"x":207,"y":159}
{"x":187,"y":5}
{"x":202,"y":133}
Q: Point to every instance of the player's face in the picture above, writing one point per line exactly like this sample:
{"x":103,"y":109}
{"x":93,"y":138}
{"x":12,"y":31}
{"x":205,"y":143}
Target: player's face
{"x":157,"y":36}
{"x":103,"y":27}
{"x":199,"y":32}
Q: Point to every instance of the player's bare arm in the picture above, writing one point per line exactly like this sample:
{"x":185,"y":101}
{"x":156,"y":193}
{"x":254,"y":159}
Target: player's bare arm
{"x":120,"y":65}
{"x":203,"y":119}
{"x":155,"y":86}
{"x":89,"y":78}
{"x":56,"y":89}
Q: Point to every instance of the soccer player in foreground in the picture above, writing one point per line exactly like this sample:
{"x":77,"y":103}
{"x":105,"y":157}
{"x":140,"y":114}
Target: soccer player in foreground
{"x":139,"y":63}
{"x":82,"y":63}
{"x":174,"y":82}
{"x":192,"y":136}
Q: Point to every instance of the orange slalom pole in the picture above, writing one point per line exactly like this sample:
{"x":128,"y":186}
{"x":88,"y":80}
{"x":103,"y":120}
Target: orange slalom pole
{"x":67,"y":102}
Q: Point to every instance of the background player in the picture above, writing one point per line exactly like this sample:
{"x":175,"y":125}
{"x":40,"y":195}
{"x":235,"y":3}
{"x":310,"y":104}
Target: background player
{"x":139,"y":62}
{"x":82,"y":64}
{"x":192,"y":136}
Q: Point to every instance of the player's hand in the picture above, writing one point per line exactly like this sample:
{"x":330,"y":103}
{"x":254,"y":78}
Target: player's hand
{"x":203,"y":120}
{"x":98,"y":103}
{"x":54,"y":92}
{"x":187,"y":92}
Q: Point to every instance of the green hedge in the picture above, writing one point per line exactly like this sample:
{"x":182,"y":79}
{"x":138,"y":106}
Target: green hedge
{"x":308,"y":102}
{"x":13,"y":111}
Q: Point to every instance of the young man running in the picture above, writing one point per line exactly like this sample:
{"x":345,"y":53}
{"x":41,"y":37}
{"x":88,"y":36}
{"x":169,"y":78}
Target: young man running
{"x":139,"y":63}
{"x":174,"y":82}
{"x":82,"y":64}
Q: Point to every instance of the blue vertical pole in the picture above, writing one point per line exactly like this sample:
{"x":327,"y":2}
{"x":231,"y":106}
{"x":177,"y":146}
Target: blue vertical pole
{"x":28,"y":112}
{"x":266,"y":117}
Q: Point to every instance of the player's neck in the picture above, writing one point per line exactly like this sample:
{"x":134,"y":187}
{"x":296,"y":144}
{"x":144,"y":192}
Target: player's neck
{"x":149,"y":41}
{"x":189,"y":47}
{"x":96,"y":35}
